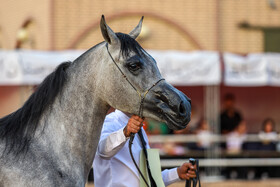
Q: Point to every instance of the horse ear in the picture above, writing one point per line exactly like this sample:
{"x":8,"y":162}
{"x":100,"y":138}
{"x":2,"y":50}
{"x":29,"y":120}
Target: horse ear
{"x":137,"y":30}
{"x":108,"y":34}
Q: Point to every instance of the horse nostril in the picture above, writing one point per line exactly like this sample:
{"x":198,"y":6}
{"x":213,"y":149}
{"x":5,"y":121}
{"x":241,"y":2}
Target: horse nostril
{"x":182,"y":109}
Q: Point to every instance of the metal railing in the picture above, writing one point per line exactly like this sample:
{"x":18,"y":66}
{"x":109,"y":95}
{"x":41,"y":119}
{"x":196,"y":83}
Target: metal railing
{"x":190,"y":138}
{"x":216,"y":162}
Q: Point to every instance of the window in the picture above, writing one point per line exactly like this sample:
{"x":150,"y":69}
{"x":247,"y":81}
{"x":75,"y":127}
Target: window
{"x":271,"y":39}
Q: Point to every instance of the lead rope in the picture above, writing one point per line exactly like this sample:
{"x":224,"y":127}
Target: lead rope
{"x":140,"y":114}
{"x":197,"y":179}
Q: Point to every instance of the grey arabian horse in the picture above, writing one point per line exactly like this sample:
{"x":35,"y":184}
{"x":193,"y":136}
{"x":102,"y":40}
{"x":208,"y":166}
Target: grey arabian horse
{"x":51,"y":140}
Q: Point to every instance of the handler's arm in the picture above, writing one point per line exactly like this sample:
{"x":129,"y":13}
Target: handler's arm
{"x":184,"y":172}
{"x":110,"y":143}
{"x":113,"y":138}
{"x":170,"y":176}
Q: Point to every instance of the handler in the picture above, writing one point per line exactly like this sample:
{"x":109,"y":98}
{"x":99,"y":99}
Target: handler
{"x":113,"y":166}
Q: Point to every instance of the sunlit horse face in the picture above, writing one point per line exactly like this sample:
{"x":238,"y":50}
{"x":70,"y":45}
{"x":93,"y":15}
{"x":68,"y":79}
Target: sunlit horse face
{"x":126,"y":57}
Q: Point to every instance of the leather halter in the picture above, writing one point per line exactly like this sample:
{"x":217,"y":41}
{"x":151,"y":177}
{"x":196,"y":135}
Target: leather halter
{"x":142,"y":96}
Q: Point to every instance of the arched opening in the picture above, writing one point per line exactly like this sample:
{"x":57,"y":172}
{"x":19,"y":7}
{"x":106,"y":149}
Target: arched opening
{"x":185,"y":33}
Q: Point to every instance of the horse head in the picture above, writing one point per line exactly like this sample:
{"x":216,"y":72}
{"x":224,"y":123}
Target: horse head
{"x":134,"y":83}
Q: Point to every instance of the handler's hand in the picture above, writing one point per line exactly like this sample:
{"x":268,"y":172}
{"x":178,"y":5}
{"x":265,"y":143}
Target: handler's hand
{"x":186,"y":171}
{"x":133,"y":126}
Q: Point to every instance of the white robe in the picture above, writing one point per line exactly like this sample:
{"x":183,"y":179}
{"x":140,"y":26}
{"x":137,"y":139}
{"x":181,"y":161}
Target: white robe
{"x":113,"y":166}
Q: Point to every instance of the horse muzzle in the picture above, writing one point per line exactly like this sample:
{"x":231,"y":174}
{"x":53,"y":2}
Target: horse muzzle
{"x":169,"y":105}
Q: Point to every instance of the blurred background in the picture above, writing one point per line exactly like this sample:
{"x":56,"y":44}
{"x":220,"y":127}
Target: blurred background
{"x":233,"y":46}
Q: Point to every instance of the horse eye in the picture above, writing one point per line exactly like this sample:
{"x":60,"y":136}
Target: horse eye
{"x":134,"y":66}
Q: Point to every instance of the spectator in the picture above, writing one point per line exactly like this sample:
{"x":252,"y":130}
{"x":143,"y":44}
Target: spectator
{"x":234,"y":142}
{"x":156,"y":127}
{"x":204,"y":135}
{"x":230,"y":117}
{"x":153,"y":127}
{"x":268,"y":135}
{"x":236,"y":138}
{"x":173,"y":149}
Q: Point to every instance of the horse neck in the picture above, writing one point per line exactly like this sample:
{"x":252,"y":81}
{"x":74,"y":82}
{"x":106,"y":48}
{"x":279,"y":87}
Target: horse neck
{"x":76,"y":119}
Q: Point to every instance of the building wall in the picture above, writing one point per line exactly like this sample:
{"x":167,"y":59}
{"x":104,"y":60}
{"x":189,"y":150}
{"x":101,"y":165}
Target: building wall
{"x":212,"y":23}
{"x":195,"y":16}
{"x":233,"y":12}
{"x":13,"y":97}
{"x":14,"y":13}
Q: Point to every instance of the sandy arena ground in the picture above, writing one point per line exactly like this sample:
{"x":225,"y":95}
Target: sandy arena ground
{"x":263,"y":183}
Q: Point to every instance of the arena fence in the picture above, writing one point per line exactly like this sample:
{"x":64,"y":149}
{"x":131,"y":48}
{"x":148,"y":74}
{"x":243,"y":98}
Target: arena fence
{"x":265,"y":159}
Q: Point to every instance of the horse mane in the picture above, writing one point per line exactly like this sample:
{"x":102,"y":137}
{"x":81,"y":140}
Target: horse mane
{"x":18,"y":128}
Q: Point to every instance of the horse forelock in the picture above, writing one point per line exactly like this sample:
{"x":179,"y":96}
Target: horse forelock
{"x":18,"y":128}
{"x":128,"y":44}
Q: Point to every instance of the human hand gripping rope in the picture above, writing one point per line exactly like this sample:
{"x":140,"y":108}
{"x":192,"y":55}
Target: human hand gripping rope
{"x":197,"y":179}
